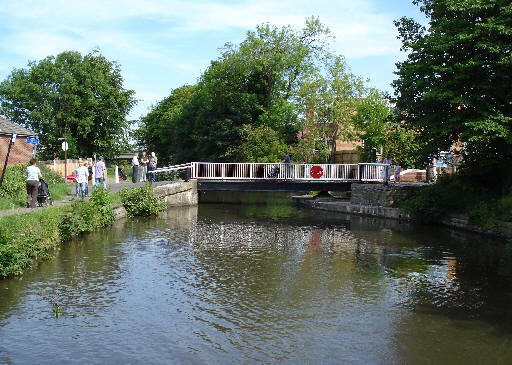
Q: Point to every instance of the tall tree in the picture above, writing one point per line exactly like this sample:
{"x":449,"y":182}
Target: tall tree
{"x":255,"y":84}
{"x":330,"y":98}
{"x":456,"y":83}
{"x":158,"y":130}
{"x":80,"y":98}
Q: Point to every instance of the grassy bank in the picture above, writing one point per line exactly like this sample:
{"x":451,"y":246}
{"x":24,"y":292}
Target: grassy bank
{"x":29,"y":237}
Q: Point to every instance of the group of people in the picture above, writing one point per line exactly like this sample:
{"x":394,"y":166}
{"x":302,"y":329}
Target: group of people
{"x":146,"y":166}
{"x":397,"y":169}
{"x":84,"y":172}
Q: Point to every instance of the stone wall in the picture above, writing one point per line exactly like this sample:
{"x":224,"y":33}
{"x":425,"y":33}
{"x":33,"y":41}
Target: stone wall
{"x":178,"y":193}
{"x":380,"y":194}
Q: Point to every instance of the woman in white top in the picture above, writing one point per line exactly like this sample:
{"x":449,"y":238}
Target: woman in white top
{"x":33,"y":176}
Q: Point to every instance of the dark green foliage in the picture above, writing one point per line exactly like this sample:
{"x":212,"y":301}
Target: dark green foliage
{"x":141,"y":202}
{"x":458,"y":194}
{"x":456,"y":83}
{"x":78,"y":97}
{"x":86,"y":216}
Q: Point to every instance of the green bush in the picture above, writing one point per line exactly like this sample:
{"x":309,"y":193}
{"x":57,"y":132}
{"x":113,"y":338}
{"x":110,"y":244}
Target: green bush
{"x":14,"y":185}
{"x":141,"y":202}
{"x":457,"y":194}
{"x":86,"y":216}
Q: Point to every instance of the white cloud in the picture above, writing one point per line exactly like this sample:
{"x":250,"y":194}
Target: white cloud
{"x":144,"y":36}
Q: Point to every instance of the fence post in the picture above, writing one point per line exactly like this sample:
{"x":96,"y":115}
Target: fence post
{"x":116,"y":174}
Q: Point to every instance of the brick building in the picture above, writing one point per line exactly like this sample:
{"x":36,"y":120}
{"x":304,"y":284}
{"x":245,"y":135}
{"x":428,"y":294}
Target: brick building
{"x":21,"y":151}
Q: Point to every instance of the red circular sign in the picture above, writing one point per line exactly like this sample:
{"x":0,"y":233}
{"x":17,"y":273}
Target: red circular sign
{"x":316,"y":172}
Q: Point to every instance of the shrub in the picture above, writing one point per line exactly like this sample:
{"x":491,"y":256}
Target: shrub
{"x":141,"y":202}
{"x":86,"y":216}
{"x":14,"y":186}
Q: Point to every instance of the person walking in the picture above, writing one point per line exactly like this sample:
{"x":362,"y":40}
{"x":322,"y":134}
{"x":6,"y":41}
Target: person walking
{"x":81,"y":174}
{"x":100,"y":172}
{"x":33,"y":176}
{"x":144,"y":161}
{"x":135,"y":167}
{"x":152,"y":166}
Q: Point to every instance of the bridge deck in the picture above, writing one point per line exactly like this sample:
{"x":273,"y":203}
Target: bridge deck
{"x":262,"y":185}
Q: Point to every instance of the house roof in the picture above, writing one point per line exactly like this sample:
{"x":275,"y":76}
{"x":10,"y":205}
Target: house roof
{"x":8,"y":127}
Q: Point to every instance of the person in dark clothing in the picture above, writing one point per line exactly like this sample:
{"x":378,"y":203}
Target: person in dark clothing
{"x":286,"y":161}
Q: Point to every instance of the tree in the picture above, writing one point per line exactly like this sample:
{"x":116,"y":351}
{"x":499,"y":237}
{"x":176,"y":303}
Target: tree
{"x":158,"y":130}
{"x":331,"y":97}
{"x":259,"y":144}
{"x":254,"y":83}
{"x":69,"y":96}
{"x":456,"y":83}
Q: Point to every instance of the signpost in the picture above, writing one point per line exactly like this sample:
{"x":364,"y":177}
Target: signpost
{"x":65,"y":148}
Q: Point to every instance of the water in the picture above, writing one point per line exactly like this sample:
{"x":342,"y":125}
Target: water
{"x":268,"y":283}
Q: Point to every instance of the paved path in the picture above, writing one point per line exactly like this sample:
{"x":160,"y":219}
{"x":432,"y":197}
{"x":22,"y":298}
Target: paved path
{"x":112,"y":186}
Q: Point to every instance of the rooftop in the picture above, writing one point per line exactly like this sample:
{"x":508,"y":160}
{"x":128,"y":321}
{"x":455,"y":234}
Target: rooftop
{"x":8,"y":127}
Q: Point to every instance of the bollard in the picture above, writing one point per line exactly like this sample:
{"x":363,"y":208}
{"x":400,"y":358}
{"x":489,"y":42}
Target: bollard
{"x":116,"y":174}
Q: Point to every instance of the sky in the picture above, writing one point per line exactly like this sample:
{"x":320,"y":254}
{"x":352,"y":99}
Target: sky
{"x":164,"y":44}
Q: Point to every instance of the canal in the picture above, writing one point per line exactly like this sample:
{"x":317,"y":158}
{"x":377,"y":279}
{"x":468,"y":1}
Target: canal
{"x":263,"y":283}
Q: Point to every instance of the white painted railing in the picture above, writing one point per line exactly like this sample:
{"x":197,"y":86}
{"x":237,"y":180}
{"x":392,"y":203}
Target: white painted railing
{"x":171,"y":168}
{"x":365,"y":172}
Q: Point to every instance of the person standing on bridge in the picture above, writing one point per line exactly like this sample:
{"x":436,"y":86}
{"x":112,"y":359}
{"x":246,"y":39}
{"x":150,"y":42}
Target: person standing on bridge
{"x":152,"y":167}
{"x":286,"y":161}
{"x":135,"y":167}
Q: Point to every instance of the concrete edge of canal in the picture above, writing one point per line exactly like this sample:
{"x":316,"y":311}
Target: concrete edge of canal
{"x":375,"y":200}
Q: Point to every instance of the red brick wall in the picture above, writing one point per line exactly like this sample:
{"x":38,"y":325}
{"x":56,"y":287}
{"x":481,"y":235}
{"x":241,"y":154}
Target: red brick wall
{"x":21,"y":151}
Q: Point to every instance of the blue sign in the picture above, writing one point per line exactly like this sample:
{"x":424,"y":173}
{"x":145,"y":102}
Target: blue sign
{"x":32,"y":140}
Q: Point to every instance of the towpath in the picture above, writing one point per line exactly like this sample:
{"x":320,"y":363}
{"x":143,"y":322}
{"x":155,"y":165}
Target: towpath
{"x":112,"y":186}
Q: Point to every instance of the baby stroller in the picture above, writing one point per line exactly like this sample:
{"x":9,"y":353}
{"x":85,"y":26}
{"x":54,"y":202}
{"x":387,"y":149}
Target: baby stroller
{"x":122,"y":175}
{"x":274,"y":173}
{"x":43,"y":194}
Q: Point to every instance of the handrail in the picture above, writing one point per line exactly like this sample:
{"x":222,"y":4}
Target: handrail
{"x":365,"y":172}
{"x":230,"y":171}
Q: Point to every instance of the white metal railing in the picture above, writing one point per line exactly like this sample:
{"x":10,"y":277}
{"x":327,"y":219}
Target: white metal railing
{"x":171,"y":168}
{"x":365,"y":172}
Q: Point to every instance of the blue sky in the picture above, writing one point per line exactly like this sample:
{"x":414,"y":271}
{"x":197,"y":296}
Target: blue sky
{"x":164,"y":44}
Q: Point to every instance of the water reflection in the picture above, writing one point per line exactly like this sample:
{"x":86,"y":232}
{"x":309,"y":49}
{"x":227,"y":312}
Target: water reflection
{"x":263,"y":284}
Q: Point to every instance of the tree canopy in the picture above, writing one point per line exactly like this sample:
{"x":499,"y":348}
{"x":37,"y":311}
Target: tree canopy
{"x":456,"y":83}
{"x":80,"y":98}
{"x":252,"y":84}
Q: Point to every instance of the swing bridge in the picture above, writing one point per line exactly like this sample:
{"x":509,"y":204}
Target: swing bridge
{"x":279,"y":176}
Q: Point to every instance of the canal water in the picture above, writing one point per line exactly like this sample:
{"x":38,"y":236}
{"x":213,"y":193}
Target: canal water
{"x":263,"y":283}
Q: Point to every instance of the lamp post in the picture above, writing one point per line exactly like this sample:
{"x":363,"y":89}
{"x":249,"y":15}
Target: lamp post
{"x":11,"y":142}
